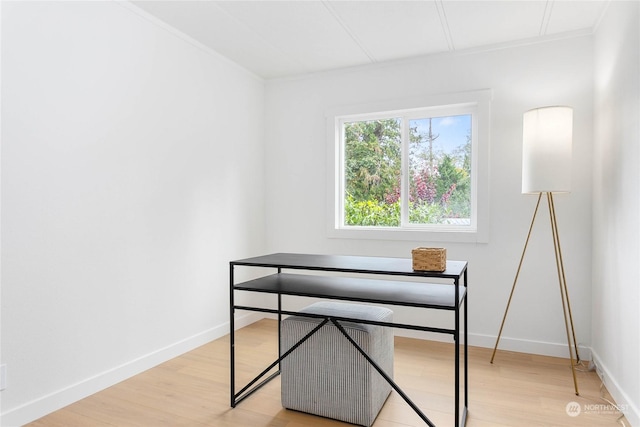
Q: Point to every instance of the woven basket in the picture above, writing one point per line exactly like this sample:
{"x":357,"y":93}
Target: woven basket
{"x":429,"y":259}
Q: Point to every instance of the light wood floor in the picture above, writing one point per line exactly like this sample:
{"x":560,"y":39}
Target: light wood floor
{"x":193,"y":390}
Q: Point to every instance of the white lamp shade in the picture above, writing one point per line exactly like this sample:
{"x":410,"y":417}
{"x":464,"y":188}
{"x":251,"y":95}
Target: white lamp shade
{"x":546,"y":152}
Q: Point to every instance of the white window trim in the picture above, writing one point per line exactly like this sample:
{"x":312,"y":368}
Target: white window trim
{"x":481,"y":99}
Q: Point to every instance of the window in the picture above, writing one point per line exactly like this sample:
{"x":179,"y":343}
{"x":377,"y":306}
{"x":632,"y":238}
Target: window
{"x":412,"y":173}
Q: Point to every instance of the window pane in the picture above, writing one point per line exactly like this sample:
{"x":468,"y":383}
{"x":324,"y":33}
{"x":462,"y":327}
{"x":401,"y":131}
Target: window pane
{"x":372,"y":172}
{"x":440,"y":170}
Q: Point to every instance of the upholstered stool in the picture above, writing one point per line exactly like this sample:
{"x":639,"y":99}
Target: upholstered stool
{"x":326,"y":375}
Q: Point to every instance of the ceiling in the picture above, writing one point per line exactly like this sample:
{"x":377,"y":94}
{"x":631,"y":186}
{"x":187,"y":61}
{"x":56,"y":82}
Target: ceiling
{"x":284,"y":38}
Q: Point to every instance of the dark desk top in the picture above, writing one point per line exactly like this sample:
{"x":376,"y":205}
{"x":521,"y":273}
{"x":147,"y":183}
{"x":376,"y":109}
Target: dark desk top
{"x":352,"y":264}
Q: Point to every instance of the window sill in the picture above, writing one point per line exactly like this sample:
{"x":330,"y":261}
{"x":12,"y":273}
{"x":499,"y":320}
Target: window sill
{"x":457,"y":236}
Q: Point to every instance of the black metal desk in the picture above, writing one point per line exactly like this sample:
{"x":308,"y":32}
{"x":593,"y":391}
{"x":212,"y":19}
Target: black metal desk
{"x":450,"y":296}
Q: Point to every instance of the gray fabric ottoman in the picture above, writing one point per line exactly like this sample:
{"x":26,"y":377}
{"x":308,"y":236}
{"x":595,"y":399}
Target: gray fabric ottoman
{"x":326,"y":375}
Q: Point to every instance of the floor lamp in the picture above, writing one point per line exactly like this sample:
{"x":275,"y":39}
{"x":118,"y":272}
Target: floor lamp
{"x":546,"y":169}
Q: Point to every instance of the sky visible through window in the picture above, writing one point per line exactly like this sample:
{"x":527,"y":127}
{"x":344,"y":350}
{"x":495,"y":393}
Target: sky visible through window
{"x":452,"y":130}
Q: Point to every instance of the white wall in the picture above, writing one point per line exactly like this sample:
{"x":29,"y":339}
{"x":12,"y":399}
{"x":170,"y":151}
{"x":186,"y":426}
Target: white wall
{"x":525,"y":77}
{"x":616,"y":209}
{"x":132,"y":172}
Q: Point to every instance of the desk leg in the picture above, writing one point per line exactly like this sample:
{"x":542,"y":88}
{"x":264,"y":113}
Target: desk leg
{"x":279,"y":327}
{"x":232,"y":356}
{"x":466,"y":348}
{"x":456,"y":338}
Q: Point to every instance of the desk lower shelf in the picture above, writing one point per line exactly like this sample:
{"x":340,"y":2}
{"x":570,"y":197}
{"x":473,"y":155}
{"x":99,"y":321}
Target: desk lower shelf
{"x":412,"y":294}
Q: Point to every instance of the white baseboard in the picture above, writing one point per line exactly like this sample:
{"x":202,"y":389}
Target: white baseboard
{"x":44,"y":405}
{"x":626,"y":405}
{"x":509,"y":344}
{"x":542,"y":348}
